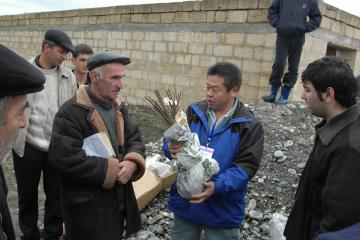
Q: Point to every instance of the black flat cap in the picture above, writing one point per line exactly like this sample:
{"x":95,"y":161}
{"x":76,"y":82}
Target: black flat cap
{"x":106,"y":57}
{"x":18,"y":76}
{"x":60,"y":38}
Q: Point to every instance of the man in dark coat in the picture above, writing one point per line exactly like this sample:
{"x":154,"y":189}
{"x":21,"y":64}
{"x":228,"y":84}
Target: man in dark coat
{"x":289,"y":18}
{"x":17,"y":78}
{"x":97,"y":192}
{"x":327,"y":198}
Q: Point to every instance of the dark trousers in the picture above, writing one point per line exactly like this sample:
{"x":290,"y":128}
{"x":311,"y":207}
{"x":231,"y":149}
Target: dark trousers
{"x":28,"y":171}
{"x":287,"y":48}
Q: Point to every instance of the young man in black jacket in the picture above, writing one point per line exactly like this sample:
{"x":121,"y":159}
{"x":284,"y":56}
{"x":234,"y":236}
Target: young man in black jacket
{"x":327,"y":198}
{"x":289,"y":18}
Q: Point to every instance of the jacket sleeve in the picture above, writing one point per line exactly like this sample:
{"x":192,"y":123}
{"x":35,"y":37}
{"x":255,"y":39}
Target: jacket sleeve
{"x":246,"y":163}
{"x":134,"y":147}
{"x":67,"y":155}
{"x":273,"y":13}
{"x":314,"y":18}
{"x":340,"y":195}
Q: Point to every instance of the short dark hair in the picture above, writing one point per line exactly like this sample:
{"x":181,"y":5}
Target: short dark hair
{"x":82,"y":49}
{"x":229,"y":71}
{"x":332,"y":72}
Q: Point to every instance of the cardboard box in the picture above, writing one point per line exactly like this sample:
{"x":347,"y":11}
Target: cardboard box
{"x":149,"y":186}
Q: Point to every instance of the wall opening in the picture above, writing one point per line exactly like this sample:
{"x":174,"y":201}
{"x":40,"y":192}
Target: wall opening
{"x":347,"y":54}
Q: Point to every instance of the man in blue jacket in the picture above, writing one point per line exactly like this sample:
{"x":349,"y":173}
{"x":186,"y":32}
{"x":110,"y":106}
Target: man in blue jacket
{"x":227,"y":127}
{"x":289,"y":18}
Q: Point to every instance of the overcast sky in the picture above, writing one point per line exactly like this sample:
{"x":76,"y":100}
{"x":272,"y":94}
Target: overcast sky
{"x":26,"y":6}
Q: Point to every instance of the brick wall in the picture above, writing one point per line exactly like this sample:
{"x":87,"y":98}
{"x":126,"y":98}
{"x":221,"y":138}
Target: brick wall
{"x":175,"y":43}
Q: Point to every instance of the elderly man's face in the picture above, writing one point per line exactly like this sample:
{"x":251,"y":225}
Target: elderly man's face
{"x":108,"y":88}
{"x":14,"y":119}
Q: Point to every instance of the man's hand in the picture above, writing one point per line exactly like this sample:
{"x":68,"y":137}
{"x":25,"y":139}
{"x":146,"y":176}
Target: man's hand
{"x":127,"y":169}
{"x":201,"y":197}
{"x":174,"y":149}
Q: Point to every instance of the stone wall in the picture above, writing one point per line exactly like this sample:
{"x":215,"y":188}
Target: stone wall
{"x":175,"y":43}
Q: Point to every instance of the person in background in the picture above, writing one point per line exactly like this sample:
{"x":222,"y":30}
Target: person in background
{"x":81,"y":55}
{"x":289,"y":18}
{"x":17,"y":79}
{"x":228,"y":129}
{"x":327,"y":196}
{"x":31,"y":148}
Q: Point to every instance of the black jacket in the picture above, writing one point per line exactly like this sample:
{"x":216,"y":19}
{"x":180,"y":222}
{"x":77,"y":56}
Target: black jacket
{"x":93,"y":202}
{"x":327,"y":198}
{"x":289,"y":17}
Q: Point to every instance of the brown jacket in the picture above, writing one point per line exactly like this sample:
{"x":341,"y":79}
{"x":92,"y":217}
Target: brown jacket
{"x":91,"y":196}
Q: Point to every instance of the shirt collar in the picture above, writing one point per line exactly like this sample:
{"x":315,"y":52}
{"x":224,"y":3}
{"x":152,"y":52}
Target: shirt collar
{"x":328,"y":130}
{"x":212,"y":117}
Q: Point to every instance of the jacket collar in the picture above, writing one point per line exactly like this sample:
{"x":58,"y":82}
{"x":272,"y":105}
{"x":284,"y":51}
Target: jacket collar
{"x":327,"y":131}
{"x":83,"y":98}
{"x":240,"y":112}
{"x":61,"y":69}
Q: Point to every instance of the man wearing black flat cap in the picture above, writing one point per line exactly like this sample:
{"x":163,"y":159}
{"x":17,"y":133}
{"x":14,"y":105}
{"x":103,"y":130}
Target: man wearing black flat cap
{"x":17,"y":78}
{"x":33,"y":142}
{"x":97,"y":192}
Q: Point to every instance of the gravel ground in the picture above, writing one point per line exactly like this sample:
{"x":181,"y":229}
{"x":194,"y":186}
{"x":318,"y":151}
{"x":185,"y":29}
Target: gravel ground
{"x":289,"y":134}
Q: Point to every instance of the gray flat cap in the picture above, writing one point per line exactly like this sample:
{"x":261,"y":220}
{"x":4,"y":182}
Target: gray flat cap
{"x":18,"y":76}
{"x":100,"y":59}
{"x":60,"y":38}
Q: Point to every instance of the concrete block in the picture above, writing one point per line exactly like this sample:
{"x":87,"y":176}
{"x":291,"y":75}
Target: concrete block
{"x":220,"y":16}
{"x":349,"y":31}
{"x":326,"y":23}
{"x":169,"y":36}
{"x":236,"y":16}
{"x":185,"y":6}
{"x":228,"y":4}
{"x":147,"y":45}
{"x":255,"y":40}
{"x":209,"y":49}
{"x":270,"y":39}
{"x":235,"y":38}
{"x":264,"y":4}
{"x":138,"y":35}
{"x":210,"y":5}
{"x":223,"y":51}
{"x":255,"y":16}
{"x":182,"y":17}
{"x":210,"y":38}
{"x":154,"y":18}
{"x":243,"y":52}
{"x":210,"y":16}
{"x":198,"y":17}
{"x":167,"y":17}
{"x":160,"y":46}
{"x":248,"y":4}
{"x":207,"y":61}
{"x":136,"y":18}
{"x":196,"y":48}
{"x":120,"y":44}
{"x":195,"y":61}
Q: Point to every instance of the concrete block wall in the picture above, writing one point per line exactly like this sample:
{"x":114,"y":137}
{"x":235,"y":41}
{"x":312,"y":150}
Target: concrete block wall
{"x":173,"y":44}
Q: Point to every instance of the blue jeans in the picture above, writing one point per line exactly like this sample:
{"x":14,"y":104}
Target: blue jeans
{"x":184,"y":230}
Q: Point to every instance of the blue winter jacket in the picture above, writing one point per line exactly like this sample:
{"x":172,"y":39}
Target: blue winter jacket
{"x":238,"y":146}
{"x":289,"y":17}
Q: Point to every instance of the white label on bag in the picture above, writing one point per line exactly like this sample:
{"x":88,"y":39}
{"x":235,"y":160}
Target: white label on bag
{"x":206,"y":152}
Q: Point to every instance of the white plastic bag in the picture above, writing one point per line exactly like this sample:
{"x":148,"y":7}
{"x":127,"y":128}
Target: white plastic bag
{"x":277,"y":226}
{"x":160,"y":169}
